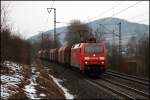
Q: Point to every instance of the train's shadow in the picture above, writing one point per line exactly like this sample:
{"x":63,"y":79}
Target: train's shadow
{"x":93,"y":75}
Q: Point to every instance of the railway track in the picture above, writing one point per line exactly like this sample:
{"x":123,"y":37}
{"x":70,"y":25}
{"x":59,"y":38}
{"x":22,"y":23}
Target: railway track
{"x":117,"y":89}
{"x":113,"y":91}
{"x":122,"y":91}
{"x":128,"y":87}
{"x":129,"y":77}
{"x":140,"y":78}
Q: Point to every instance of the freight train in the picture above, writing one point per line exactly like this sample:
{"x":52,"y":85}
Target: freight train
{"x":88,"y":57}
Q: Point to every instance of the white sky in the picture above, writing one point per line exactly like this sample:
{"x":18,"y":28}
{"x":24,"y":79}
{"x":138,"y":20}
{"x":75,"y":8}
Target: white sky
{"x":30,"y":17}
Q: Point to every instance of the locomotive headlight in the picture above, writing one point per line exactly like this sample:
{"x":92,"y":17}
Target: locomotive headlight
{"x":86,"y":62}
{"x":101,"y":58}
{"x":102,"y":62}
{"x":86,"y":58}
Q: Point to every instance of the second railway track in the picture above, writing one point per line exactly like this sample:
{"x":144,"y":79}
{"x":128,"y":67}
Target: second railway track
{"x":121,"y":90}
{"x":128,"y":87}
{"x":140,"y":78}
{"x":129,"y":77}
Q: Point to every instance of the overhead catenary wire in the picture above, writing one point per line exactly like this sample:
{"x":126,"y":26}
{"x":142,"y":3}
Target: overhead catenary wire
{"x":139,"y":15}
{"x":112,"y":8}
{"x":109,"y":30}
{"x":126,"y":8}
{"x":106,"y":11}
{"x":123,"y":10}
{"x":123,"y":38}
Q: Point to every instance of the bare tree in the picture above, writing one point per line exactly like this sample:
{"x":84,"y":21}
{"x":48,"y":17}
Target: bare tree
{"x":4,"y":15}
{"x":77,"y":31}
{"x":132,"y":46}
{"x":47,"y":42}
{"x":99,"y":35}
{"x":143,"y":54}
{"x":13,"y":47}
{"x":138,"y":56}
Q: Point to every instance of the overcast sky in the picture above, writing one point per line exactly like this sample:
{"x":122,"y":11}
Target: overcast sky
{"x":30,"y":17}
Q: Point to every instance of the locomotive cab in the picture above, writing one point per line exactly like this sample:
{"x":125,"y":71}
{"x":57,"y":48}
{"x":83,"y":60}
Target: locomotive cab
{"x":94,"y":57}
{"x":89,"y":57}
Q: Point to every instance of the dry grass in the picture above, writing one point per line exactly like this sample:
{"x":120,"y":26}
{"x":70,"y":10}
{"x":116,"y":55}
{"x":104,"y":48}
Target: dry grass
{"x":26,"y":73}
{"x":19,"y":96}
{"x":47,"y":85}
{"x":5,"y":70}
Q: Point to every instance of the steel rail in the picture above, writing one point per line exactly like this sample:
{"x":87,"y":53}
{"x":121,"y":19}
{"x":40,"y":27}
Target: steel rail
{"x":140,"y":78}
{"x":127,"y":87}
{"x":124,"y":95}
{"x":128,"y":78}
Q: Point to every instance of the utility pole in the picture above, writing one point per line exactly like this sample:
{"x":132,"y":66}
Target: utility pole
{"x":54,"y":23}
{"x":42,"y":42}
{"x":113,"y":43}
{"x":54,"y":28}
{"x":120,"y":50}
{"x":100,"y":32}
{"x":113,"y":37}
{"x":120,"y":39}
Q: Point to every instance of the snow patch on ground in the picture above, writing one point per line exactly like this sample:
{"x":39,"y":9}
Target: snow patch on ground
{"x":67,"y":94}
{"x":42,"y":95}
{"x":13,"y":66}
{"x":10,"y":79}
{"x":9,"y":82}
{"x":30,"y":90}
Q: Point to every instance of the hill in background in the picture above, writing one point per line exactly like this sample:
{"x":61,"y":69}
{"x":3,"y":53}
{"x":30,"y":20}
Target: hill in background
{"x":128,"y":29}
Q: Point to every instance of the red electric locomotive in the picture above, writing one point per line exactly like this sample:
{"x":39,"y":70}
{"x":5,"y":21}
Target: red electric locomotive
{"x":89,"y":57}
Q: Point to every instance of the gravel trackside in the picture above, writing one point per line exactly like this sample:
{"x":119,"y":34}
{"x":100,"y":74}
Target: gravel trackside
{"x":75,"y":82}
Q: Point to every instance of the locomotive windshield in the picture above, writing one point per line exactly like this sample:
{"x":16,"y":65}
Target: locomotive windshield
{"x":93,"y":49}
